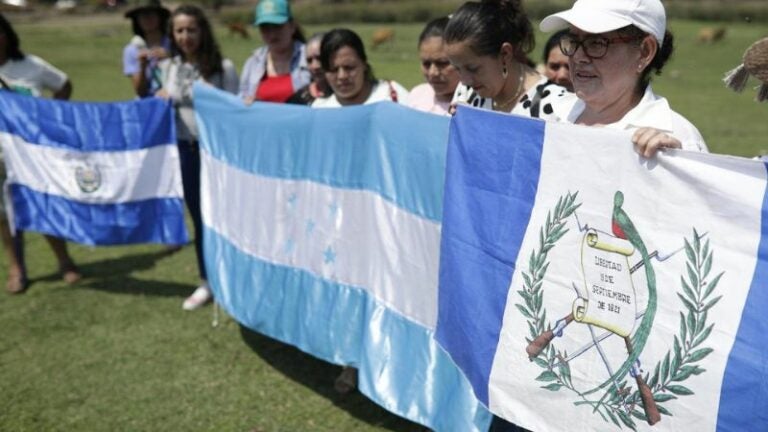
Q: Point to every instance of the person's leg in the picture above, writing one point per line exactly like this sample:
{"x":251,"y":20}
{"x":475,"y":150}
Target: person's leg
{"x":67,"y":267}
{"x":346,"y":381}
{"x":17,"y":274}
{"x":189,"y":155}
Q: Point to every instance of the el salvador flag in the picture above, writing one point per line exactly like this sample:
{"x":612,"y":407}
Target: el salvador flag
{"x":93,"y":173}
{"x":584,"y":287}
{"x":322,"y":230}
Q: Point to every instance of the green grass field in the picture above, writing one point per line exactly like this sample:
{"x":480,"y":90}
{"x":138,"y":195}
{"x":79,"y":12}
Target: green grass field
{"x":116,"y":352}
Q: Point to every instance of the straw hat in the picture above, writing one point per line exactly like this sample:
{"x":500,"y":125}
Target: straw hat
{"x":755,"y":63}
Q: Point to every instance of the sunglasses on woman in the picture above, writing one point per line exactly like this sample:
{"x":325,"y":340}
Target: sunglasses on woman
{"x":594,"y":46}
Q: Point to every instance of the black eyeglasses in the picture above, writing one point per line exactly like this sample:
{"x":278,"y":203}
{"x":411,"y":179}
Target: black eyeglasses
{"x":595,"y":47}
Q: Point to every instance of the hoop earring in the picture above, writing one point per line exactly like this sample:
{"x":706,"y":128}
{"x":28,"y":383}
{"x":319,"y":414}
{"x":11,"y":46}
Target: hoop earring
{"x":504,"y":72}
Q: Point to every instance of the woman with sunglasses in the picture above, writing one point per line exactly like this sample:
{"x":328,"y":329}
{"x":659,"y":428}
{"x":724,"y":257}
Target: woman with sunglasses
{"x":488,"y":43}
{"x":613,"y":49}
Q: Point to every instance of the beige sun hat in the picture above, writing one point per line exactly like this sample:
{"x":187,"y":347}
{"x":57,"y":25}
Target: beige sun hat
{"x":755,"y":63}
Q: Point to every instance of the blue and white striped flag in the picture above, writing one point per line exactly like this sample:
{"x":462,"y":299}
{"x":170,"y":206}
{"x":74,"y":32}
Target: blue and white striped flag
{"x":93,"y":173}
{"x":585,"y":288}
{"x":322,"y":230}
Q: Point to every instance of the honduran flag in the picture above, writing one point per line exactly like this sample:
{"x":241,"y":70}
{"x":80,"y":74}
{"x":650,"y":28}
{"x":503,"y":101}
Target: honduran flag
{"x":583,"y":287}
{"x":322,"y":230}
{"x":93,"y":173}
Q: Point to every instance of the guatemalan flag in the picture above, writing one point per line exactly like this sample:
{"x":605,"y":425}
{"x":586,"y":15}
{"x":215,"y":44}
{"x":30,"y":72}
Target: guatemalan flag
{"x":322,"y":230}
{"x":583,"y":287}
{"x":93,"y":173}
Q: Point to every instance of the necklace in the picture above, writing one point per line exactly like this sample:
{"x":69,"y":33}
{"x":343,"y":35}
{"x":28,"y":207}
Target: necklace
{"x":501,"y":106}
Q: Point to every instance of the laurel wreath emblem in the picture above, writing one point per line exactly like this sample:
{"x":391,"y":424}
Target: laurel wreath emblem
{"x":621,"y":404}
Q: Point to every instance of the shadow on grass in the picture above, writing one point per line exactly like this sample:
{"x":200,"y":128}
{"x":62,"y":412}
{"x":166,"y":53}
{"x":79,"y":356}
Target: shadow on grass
{"x":128,"y":285}
{"x":318,"y":376}
{"x":114,"y":275}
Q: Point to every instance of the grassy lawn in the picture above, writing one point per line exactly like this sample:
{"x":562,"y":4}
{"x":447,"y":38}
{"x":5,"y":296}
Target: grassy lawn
{"x":116,"y":352}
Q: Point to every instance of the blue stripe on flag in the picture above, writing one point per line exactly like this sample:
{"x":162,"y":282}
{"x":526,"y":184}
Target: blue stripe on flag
{"x":88,"y":127}
{"x":743,"y":400}
{"x":388,"y":349}
{"x":399,"y":170}
{"x":158,"y":220}
{"x":496,"y":185}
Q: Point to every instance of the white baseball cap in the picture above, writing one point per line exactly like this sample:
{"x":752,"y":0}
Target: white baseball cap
{"x":600,"y":16}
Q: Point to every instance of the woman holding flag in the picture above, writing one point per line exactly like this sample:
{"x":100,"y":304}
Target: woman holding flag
{"x":195,"y":57}
{"x":28,"y":74}
{"x":351,"y":78}
{"x":613,"y":49}
{"x":488,"y":44}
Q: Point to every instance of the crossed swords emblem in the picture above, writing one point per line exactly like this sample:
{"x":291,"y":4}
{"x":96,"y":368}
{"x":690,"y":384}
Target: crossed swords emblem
{"x":578,"y":314}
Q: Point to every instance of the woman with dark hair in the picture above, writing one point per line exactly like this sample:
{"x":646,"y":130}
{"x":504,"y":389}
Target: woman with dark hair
{"x":149,"y":45}
{"x":31,"y":75}
{"x":195,"y":57}
{"x":614,"y":48}
{"x":436,"y":94}
{"x":28,"y":74}
{"x":318,"y":87}
{"x":351,"y":78}
{"x":488,"y":42}
{"x":277,"y":70}
{"x":555,"y":64}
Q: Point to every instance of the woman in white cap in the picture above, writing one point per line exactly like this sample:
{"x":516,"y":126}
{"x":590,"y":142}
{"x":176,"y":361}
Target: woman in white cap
{"x":614,"y":46}
{"x":277,"y":70}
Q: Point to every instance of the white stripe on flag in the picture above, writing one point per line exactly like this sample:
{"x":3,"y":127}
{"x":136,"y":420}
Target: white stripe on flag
{"x":124,"y":176}
{"x":323,"y":230}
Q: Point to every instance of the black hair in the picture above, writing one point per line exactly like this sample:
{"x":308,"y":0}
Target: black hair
{"x":488,"y":24}
{"x":162,"y":16}
{"x":663,"y":53}
{"x":552,"y":42}
{"x":209,"y":55}
{"x":434,"y":28}
{"x":298,"y":34}
{"x":14,"y":51}
{"x":339,"y":38}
